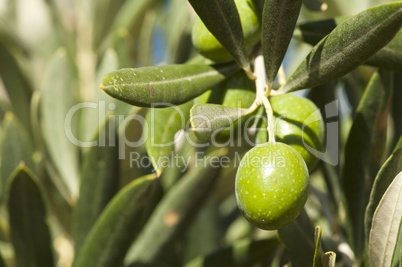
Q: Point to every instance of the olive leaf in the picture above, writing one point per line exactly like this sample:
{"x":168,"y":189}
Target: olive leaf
{"x":99,"y":181}
{"x":162,"y":127}
{"x":118,"y":225}
{"x":16,"y":147}
{"x":383,"y":179}
{"x":278,"y":22}
{"x":318,"y":260}
{"x":18,"y":87}
{"x":56,"y":102}
{"x":242,"y":253}
{"x":102,"y":104}
{"x":104,"y":13}
{"x":173,"y":216}
{"x":222,"y":19}
{"x":347,"y":46}
{"x":127,"y":18}
{"x":208,"y":120}
{"x":363,"y":152}
{"x":172,"y":84}
{"x":298,"y":238}
{"x":389,"y":57}
{"x":386,"y":224}
{"x":28,"y":220}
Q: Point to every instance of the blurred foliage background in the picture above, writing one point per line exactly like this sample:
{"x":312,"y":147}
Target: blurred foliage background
{"x":53,"y":54}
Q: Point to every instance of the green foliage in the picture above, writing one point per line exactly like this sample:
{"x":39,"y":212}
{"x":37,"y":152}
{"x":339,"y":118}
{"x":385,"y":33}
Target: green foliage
{"x":152,"y":170}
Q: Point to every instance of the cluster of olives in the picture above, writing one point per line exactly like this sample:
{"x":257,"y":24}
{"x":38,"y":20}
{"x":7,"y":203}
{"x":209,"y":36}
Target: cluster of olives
{"x":272,"y":180}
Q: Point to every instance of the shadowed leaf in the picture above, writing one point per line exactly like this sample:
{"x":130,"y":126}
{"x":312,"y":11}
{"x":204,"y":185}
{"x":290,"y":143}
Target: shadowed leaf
{"x":364,"y":152}
{"x":278,"y":22}
{"x":29,"y":230}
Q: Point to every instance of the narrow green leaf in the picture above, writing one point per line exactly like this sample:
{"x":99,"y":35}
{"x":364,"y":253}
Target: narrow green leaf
{"x":389,"y":57}
{"x":162,"y":127}
{"x":56,"y":103}
{"x":179,"y":22}
{"x":207,"y":222}
{"x":128,"y":19}
{"x":347,"y":46}
{"x":242,"y":253}
{"x":131,"y":12}
{"x":174,"y":213}
{"x":18,"y":86}
{"x":104,"y":14}
{"x":99,"y":182}
{"x":117,"y":226}
{"x":173,"y":84}
{"x":208,"y":120}
{"x":27,"y":214}
{"x":318,"y":260}
{"x":278,"y":22}
{"x":101,"y":104}
{"x":388,"y":171}
{"x":298,"y":238}
{"x":16,"y":147}
{"x":222,"y":19}
{"x":363,"y":153}
{"x":387,"y":220}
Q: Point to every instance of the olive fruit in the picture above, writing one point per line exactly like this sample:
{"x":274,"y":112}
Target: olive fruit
{"x":271,"y":185}
{"x":298,"y":123}
{"x":208,"y":46}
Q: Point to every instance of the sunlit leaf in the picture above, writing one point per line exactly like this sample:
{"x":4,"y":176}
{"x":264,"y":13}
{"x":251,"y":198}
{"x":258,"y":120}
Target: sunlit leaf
{"x":347,"y":46}
{"x":385,"y":176}
{"x":173,"y":84}
{"x":208,"y":120}
{"x":387,"y":220}
{"x":56,"y":103}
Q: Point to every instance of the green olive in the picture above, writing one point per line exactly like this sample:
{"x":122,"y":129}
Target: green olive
{"x":298,"y":123}
{"x":208,"y":46}
{"x":271,"y":185}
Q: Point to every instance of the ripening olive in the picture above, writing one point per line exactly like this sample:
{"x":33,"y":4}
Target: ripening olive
{"x":271,"y":185}
{"x":207,"y":45}
{"x":298,"y":123}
